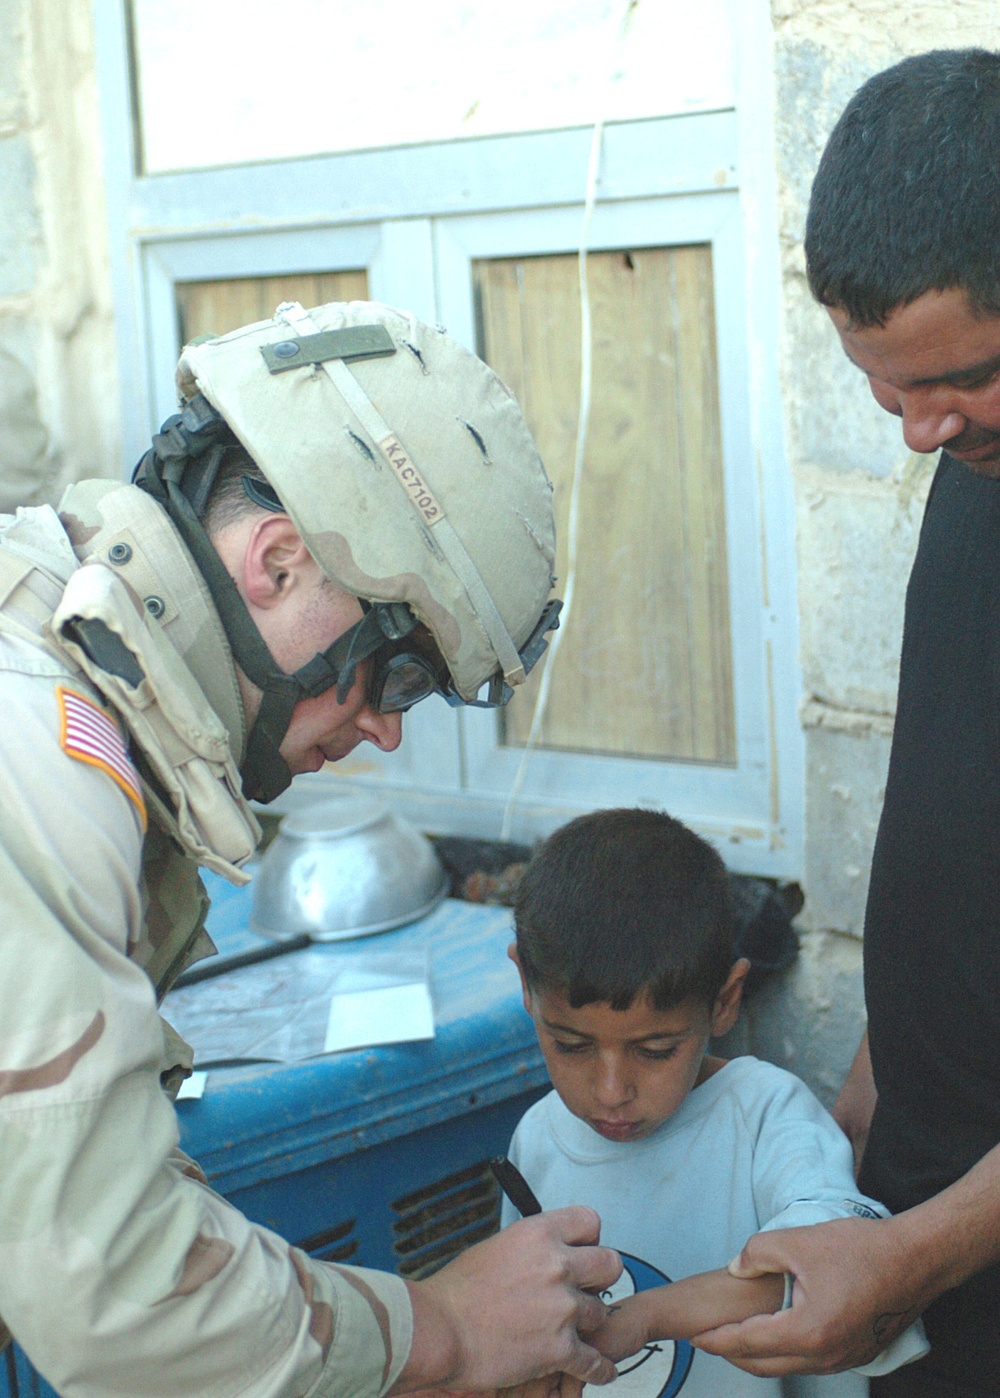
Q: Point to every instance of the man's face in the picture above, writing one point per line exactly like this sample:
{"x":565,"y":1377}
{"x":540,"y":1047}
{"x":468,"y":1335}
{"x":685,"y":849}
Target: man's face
{"x":323,"y":730}
{"x":936,"y":365}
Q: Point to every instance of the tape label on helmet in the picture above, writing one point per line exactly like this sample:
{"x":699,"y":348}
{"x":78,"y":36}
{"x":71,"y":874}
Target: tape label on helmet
{"x":411,"y":480}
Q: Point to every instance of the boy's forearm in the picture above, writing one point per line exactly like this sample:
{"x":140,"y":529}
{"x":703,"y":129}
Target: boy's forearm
{"x":686,"y":1308}
{"x":693,"y":1304}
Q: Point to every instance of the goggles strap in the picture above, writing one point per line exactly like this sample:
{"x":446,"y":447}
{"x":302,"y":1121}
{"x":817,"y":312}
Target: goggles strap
{"x":281,"y":692}
{"x":265,"y":772}
{"x":382,"y":436}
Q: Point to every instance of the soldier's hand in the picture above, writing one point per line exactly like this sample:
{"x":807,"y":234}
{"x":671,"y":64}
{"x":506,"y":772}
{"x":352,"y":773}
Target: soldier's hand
{"x":511,"y":1309}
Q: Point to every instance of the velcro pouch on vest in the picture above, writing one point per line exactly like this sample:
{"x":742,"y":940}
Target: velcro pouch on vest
{"x":108,"y":633}
{"x":36,"y":562}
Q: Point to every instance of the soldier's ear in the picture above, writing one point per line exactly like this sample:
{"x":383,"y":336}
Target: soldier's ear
{"x":275,"y":561}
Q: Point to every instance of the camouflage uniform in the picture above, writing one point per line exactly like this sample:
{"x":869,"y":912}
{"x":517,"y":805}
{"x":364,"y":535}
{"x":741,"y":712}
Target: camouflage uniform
{"x":120,"y":1270}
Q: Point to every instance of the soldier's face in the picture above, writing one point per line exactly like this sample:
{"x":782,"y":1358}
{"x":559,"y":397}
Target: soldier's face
{"x":936,"y":365}
{"x":323,"y":730}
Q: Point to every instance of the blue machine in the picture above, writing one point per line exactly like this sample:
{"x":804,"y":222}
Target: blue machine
{"x":376,"y":1157}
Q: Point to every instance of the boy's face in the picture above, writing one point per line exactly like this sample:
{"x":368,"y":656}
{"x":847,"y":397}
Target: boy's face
{"x":624,"y":1072}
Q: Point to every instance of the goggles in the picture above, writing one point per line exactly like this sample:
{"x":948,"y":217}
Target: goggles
{"x":403,"y":672}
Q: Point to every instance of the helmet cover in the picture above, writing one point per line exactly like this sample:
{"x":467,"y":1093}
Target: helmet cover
{"x":369,"y":506}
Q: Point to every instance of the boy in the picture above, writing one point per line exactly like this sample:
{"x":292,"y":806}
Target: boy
{"x":625,"y":951}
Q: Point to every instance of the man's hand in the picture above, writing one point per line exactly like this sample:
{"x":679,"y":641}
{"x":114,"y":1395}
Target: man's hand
{"x":855,"y":1290}
{"x":512,"y":1308}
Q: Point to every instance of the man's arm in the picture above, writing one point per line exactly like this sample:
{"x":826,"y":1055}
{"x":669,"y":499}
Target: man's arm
{"x":855,"y":1104}
{"x":118,"y":1269}
{"x":860,"y":1282}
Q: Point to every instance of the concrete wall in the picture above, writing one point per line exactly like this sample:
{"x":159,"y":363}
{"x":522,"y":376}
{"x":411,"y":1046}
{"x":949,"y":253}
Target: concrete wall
{"x":860,"y":499}
{"x":58,"y":373}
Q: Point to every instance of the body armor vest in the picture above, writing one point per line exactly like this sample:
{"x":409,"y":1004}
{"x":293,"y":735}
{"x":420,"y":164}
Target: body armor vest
{"x":108,"y":588}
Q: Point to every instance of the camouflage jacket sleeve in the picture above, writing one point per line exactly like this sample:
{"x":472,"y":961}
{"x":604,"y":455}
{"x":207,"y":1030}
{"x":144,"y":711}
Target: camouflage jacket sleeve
{"x":120,"y":1270}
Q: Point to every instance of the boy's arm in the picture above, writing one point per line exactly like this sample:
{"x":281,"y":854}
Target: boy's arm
{"x":673,"y":1312}
{"x":685,"y":1308}
{"x":859,"y":1280}
{"x":553,"y":1386}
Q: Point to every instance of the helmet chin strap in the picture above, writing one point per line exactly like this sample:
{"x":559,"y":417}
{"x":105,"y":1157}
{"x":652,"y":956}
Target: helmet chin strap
{"x":180,"y":468}
{"x":265,"y":772}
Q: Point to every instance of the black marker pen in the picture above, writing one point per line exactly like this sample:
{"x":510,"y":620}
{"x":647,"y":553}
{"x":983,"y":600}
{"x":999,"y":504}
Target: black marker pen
{"x":515,"y":1186}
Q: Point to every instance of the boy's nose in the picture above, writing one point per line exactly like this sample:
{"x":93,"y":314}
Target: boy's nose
{"x":612,"y":1086}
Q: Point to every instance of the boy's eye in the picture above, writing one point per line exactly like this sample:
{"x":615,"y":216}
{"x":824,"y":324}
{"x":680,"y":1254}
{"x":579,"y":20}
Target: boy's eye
{"x":659,"y":1053}
{"x":563,"y":1046}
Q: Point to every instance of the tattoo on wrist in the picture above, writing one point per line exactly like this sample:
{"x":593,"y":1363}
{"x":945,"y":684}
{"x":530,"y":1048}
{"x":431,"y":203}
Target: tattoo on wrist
{"x":886,"y":1327}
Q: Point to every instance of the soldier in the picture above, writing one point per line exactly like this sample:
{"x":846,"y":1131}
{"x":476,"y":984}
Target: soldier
{"x":347,"y":515}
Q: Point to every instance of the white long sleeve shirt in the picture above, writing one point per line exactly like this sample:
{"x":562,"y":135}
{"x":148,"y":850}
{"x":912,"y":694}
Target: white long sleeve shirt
{"x":750,"y":1149}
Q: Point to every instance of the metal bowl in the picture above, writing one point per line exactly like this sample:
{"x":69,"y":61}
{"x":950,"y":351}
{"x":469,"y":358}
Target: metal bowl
{"x":345,"y":867}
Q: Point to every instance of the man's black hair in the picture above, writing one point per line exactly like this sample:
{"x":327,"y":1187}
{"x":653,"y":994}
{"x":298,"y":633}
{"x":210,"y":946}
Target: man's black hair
{"x":624,"y":902}
{"x":907,"y":195}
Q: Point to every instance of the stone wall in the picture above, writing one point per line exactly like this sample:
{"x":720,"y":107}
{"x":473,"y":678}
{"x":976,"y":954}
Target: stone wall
{"x":860,"y":499}
{"x":58,"y":372}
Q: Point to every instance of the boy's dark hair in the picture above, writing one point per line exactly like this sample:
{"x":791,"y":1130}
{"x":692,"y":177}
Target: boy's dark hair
{"x":907,"y":195}
{"x":621,"y":902}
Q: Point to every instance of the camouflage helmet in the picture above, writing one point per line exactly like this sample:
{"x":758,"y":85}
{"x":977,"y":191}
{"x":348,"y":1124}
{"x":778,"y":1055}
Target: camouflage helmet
{"x":405,"y":464}
{"x":408,"y":470}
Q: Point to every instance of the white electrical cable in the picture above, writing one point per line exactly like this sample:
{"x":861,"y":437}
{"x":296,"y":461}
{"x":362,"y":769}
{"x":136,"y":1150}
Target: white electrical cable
{"x":582,"y":427}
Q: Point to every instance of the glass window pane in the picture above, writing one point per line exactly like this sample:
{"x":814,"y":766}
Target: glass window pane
{"x":221,"y":82}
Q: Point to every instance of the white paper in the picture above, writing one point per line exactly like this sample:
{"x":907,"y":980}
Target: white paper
{"x":280,"y":1010}
{"x":194,"y":1086}
{"x":392,"y":1014}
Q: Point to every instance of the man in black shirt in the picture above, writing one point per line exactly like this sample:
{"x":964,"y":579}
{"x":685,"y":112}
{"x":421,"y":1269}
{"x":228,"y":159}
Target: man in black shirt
{"x":903,"y":249}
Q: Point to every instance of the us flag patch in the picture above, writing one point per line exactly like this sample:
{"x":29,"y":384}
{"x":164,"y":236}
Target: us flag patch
{"x":89,"y":735}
